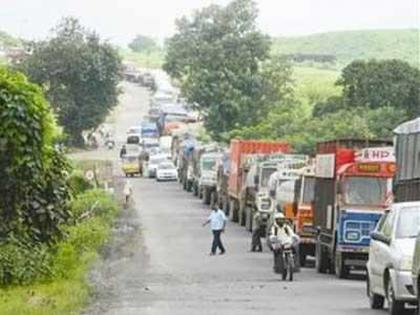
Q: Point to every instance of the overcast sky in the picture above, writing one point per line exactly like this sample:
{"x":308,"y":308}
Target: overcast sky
{"x":120,"y":20}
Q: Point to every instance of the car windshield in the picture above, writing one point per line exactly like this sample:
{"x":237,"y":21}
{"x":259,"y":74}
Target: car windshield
{"x":408,"y":223}
{"x":265,"y":176}
{"x":166,"y":166}
{"x":208,"y":164}
{"x":308,"y":190}
{"x":367,"y":191}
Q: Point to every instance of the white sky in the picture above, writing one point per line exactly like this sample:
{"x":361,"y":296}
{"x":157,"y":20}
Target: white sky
{"x":120,"y":20}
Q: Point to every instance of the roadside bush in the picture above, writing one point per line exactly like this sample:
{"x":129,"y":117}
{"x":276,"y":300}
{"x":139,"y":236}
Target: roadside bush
{"x":95,"y":201}
{"x":78,"y":183}
{"x":23,"y":262}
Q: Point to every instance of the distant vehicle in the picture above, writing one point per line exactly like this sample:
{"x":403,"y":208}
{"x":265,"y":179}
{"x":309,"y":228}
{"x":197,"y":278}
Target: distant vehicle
{"x":165,"y":144}
{"x":171,"y":117}
{"x":166,"y":171}
{"x":149,"y":130}
{"x":131,"y":165}
{"x":160,"y":99}
{"x":134,"y":130}
{"x":154,"y":162}
{"x":391,"y":258}
{"x":133,"y":138}
{"x":150,"y":143}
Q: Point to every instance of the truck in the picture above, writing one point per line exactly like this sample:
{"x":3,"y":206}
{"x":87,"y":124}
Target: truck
{"x":239,"y":150}
{"x":185,"y":162}
{"x":353,"y":187}
{"x":407,"y":150}
{"x":198,"y":152}
{"x":222,"y":186}
{"x":304,"y":212}
{"x":208,"y":176}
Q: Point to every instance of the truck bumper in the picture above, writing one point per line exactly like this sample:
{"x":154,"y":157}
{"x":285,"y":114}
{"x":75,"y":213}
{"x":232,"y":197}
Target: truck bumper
{"x":354,"y":257}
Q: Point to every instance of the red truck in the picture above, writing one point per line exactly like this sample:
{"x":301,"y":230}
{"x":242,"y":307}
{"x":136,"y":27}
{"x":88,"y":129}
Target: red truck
{"x":239,"y":149}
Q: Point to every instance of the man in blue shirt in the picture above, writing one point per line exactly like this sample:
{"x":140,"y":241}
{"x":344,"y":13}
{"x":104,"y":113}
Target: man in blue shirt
{"x":217,"y":220}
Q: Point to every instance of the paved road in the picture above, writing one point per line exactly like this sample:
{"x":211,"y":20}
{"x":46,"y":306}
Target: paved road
{"x":166,"y":269}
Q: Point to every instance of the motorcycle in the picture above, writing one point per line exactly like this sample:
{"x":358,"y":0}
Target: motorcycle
{"x":110,"y":144}
{"x":284,"y":258}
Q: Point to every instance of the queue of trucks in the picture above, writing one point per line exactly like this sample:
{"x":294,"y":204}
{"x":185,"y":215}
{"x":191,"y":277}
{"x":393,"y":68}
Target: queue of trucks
{"x":334,"y":200}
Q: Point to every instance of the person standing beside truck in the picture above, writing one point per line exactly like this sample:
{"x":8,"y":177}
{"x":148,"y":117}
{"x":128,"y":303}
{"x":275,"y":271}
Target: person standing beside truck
{"x":217,"y":221}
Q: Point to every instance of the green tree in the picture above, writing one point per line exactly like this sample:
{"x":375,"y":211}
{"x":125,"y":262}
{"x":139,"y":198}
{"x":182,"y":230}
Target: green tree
{"x":375,"y":84}
{"x":216,"y":55}
{"x":143,"y":44}
{"x":33,"y":178}
{"x":80,"y":75}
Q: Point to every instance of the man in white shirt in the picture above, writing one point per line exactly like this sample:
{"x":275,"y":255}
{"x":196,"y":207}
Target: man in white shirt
{"x":217,"y":220}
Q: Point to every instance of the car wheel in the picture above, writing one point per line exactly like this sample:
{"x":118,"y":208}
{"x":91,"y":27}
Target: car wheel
{"x":394,"y":307}
{"x":376,"y":301}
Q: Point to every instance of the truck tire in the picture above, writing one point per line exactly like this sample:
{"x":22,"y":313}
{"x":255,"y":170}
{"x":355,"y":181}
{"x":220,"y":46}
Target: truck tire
{"x":195,"y":190}
{"x":206,"y":196}
{"x":189,"y":186}
{"x":248,"y":219}
{"x":302,"y":259}
{"x":225,"y":205}
{"x":341,"y":270}
{"x":242,"y":216}
{"x":233,"y":210}
{"x":213,"y":199}
{"x":321,"y":259}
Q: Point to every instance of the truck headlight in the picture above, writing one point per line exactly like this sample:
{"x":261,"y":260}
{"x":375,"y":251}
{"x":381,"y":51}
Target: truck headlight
{"x":406,"y":263}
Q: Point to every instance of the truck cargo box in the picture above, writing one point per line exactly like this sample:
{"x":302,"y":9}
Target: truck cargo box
{"x":240,"y":147}
{"x":407,"y":146}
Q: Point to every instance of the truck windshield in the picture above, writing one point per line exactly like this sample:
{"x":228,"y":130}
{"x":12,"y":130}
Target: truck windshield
{"x":308,"y":190}
{"x":265,"y":176}
{"x":367,"y":191}
{"x":408,"y":223}
{"x":208,"y":165}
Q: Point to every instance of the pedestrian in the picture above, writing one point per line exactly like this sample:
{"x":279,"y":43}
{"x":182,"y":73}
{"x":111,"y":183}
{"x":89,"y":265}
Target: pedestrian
{"x":128,"y":191}
{"x":123,"y":151}
{"x":217,"y":220}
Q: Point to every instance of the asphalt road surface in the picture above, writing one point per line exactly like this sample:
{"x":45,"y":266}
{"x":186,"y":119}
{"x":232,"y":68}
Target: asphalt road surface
{"x":165,"y":268}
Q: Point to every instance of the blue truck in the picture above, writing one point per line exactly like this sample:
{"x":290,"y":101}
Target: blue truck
{"x":353,"y":187}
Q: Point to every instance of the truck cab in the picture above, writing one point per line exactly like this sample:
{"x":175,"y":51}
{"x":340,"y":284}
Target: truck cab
{"x":353,"y":188}
{"x":208,"y":176}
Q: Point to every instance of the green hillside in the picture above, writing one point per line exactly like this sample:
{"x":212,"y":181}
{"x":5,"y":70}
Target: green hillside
{"x":350,"y":45}
{"x":7,"y":41}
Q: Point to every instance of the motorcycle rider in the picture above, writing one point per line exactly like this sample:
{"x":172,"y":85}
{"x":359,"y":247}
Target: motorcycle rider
{"x":282,"y":230}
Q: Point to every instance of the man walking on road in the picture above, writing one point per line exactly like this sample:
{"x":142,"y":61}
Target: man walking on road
{"x":217,"y":220}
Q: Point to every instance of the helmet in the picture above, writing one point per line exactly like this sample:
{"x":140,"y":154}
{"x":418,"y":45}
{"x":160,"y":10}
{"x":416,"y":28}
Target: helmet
{"x":279,"y":215}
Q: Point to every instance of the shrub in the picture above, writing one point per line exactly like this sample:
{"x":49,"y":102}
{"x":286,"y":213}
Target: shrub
{"x":99,"y":202}
{"x":23,"y":262}
{"x":78,"y":182}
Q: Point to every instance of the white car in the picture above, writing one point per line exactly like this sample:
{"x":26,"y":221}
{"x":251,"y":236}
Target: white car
{"x":391,"y":258}
{"x":166,"y":171}
{"x":154,"y":162}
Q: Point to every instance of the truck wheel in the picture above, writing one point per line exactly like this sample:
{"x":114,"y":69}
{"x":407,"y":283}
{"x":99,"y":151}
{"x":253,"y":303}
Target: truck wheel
{"x":321,"y":259}
{"x":233,"y":211}
{"x":195,"y":190}
{"x":206,"y":196}
{"x":189,"y":186}
{"x":302,"y":259}
{"x":225,"y":205}
{"x":213,"y":199}
{"x":242,"y":216}
{"x":341,"y":270}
